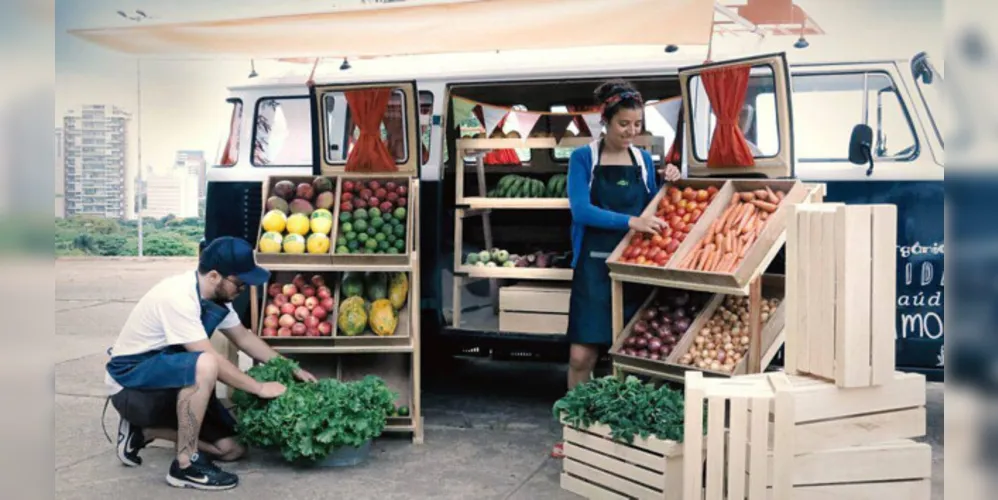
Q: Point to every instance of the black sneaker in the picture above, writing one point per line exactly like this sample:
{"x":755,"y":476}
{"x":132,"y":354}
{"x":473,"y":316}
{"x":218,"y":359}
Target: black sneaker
{"x":130,"y":441}
{"x":201,"y":474}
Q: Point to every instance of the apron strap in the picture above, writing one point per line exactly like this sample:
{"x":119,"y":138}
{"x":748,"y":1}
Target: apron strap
{"x":596,"y":148}
{"x":639,"y":159}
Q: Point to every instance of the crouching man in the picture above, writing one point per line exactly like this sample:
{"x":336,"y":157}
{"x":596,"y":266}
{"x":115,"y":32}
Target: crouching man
{"x":163,"y":368}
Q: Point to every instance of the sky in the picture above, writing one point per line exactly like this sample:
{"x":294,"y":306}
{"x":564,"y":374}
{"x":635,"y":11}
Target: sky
{"x":183,"y":100}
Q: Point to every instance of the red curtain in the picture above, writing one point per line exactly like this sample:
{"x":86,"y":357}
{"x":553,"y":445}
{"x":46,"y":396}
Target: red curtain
{"x":675,"y":154}
{"x":369,"y":154}
{"x":726,"y":89}
{"x":394,"y":128}
{"x":501,"y":156}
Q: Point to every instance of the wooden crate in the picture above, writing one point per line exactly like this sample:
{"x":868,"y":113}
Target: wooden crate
{"x":535,"y":323}
{"x":283,"y":261}
{"x":542,"y":298}
{"x":598,"y":467}
{"x":286,"y":277}
{"x":650,"y":273}
{"x":397,"y":261}
{"x":841,"y":266}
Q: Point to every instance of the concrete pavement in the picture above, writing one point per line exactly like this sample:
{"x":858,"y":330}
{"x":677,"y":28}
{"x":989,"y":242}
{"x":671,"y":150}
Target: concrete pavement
{"x":488,"y":424}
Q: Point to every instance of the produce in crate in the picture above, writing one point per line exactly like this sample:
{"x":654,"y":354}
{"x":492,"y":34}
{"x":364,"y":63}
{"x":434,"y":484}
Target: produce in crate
{"x":300,"y":308}
{"x":518,"y":186}
{"x":297,"y":218}
{"x":662,"y":323}
{"x":725,"y":338}
{"x":371,"y":302}
{"x":730,"y":236}
{"x":498,"y":257}
{"x":372,"y":217}
{"x":680,"y":209}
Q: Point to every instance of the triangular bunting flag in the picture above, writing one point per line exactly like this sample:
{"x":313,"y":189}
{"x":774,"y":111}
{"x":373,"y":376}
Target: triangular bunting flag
{"x":492,"y":116}
{"x":559,"y":124}
{"x":463,"y":109}
{"x":593,"y":123}
{"x":522,"y":122}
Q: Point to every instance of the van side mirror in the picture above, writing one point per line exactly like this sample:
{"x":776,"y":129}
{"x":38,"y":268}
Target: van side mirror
{"x":860,"y":146}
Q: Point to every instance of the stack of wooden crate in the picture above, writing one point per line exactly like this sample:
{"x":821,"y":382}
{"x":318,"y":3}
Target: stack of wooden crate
{"x":839,"y":423}
{"x":537,"y":308}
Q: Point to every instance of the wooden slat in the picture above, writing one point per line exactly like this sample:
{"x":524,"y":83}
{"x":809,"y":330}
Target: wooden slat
{"x":815,"y":302}
{"x":826,"y":287}
{"x":614,"y":448}
{"x":714,"y":486}
{"x":852,"y":349}
{"x":889,"y":461}
{"x":804,"y":270}
{"x":821,"y":401}
{"x":783,"y":438}
{"x":586,"y":489}
{"x":904,"y":490}
{"x":859,"y":430}
{"x":738,"y":447}
{"x":650,"y":444}
{"x":884,"y":293}
{"x":615,"y":466}
{"x":758,"y":446}
{"x":616,"y":483}
{"x":693,"y":426}
{"x":791,"y":302}
{"x":536,"y":323}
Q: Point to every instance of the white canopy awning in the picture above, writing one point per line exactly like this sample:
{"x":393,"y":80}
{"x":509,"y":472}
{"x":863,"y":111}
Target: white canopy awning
{"x":400,"y":29}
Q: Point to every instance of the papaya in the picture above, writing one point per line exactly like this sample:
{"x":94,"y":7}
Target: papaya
{"x":352,"y":319}
{"x":383,"y":318}
{"x":398,"y":290}
{"x":375,"y":286}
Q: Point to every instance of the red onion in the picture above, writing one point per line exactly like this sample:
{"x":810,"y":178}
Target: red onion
{"x":666,"y":350}
{"x":641,"y":327}
{"x":654,"y":356}
{"x":679,"y":313}
{"x":655,"y":324}
{"x":669,"y":339}
{"x":642,"y":353}
{"x":682,"y":325}
{"x":641,"y":342}
{"x":664,"y":331}
{"x":654,"y":345}
{"x":648,"y":314}
{"x":629,"y":341}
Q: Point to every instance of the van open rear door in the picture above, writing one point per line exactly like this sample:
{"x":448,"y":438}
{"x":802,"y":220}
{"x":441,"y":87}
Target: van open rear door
{"x":369,"y":128}
{"x":738,"y":119}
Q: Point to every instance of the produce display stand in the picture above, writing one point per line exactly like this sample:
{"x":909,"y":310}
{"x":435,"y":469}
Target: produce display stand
{"x":474,"y":202}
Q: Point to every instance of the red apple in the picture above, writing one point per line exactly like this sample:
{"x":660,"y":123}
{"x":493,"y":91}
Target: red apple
{"x":272,"y":310}
{"x":286,"y":320}
{"x":269,"y":332}
{"x":324,"y":292}
{"x":298,"y":330}
{"x":312,"y":332}
{"x":302,"y":312}
{"x":380,"y":193}
{"x":326,"y":303}
{"x":401,"y":190}
{"x":391,"y":186}
{"x":284,"y":331}
{"x":402,"y":202}
{"x":308,"y":291}
{"x":373,"y":201}
{"x":318,"y":281}
{"x":298,"y":299}
{"x":319,"y":312}
{"x":346,"y":206}
{"x":386,"y":206}
{"x":374,"y":185}
{"x":326,"y":328}
{"x":288,"y":308}
{"x":311,"y":302}
{"x":311,"y":322}
{"x":280,"y":300}
{"x":392,"y":196}
{"x":270,"y":321}
{"x":359,"y":203}
{"x":348,"y":186}
{"x":366,"y":193}
{"x":274,"y":289}
{"x":289,"y":290}
{"x":299,"y":281}
{"x":346,"y":196}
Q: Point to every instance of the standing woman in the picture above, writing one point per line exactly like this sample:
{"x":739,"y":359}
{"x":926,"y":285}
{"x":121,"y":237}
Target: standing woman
{"x":610,"y":182}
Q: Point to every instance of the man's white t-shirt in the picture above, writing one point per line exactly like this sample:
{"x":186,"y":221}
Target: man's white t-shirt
{"x":168,"y":314}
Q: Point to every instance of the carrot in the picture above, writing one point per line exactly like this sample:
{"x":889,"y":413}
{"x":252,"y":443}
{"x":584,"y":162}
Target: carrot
{"x":747,"y":223}
{"x":702,"y":257}
{"x":769,"y":207}
{"x":683,"y":264}
{"x":780,"y":195}
{"x":712,"y":261}
{"x":719,"y":240}
{"x":772,"y":196}
{"x":748,"y":244}
{"x":725,"y":262}
{"x":722,"y":220}
{"x":763,"y":215}
{"x":730,"y":221}
{"x":734,"y":199}
{"x":747,"y":196}
{"x":761,"y":194}
{"x":733,"y":265}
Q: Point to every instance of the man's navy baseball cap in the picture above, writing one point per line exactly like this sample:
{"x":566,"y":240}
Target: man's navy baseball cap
{"x":233,"y":257}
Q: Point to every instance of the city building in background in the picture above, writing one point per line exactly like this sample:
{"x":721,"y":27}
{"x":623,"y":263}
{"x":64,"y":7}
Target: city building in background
{"x":95,"y":152}
{"x":173,"y":192}
{"x":194,"y":163}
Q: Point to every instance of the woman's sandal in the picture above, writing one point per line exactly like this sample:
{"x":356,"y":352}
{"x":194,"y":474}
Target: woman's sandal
{"x":558,"y":451}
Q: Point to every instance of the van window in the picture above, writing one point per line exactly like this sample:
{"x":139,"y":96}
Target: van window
{"x":826,"y":107}
{"x":228,"y":155}
{"x":758,"y":124}
{"x":342,"y":133}
{"x":282,"y":132}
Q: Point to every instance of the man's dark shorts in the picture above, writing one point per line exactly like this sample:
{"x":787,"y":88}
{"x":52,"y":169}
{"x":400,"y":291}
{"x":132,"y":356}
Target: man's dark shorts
{"x":157,"y":409}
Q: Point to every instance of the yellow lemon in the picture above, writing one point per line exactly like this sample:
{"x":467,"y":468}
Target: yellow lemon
{"x":322,"y":221}
{"x":294,"y":243}
{"x":274,"y":221}
{"x":271,"y":242}
{"x":318,"y":243}
{"x":298,"y":224}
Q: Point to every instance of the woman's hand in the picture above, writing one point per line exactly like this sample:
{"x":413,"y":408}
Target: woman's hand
{"x":305,"y":376}
{"x":650,"y":225}
{"x":671,"y":173}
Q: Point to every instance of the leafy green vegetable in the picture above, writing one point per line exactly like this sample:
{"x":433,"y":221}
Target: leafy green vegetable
{"x":630,"y":408}
{"x":310,"y":420}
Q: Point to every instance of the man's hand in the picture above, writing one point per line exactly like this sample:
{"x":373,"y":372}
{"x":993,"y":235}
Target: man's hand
{"x":271,"y":390}
{"x":305,"y":376}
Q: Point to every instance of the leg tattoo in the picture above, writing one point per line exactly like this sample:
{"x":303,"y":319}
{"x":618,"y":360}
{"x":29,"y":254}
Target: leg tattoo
{"x":189,"y":407}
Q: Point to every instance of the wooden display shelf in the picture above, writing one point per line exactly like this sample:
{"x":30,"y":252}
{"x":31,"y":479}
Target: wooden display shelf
{"x":483,"y":203}
{"x":285,"y":261}
{"x":757,"y":258}
{"x":766,"y":340}
{"x":523,"y":273}
{"x":402,"y":259}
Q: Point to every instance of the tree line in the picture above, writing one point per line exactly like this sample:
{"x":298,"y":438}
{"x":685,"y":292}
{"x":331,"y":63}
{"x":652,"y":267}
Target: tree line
{"x":97,"y":236}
